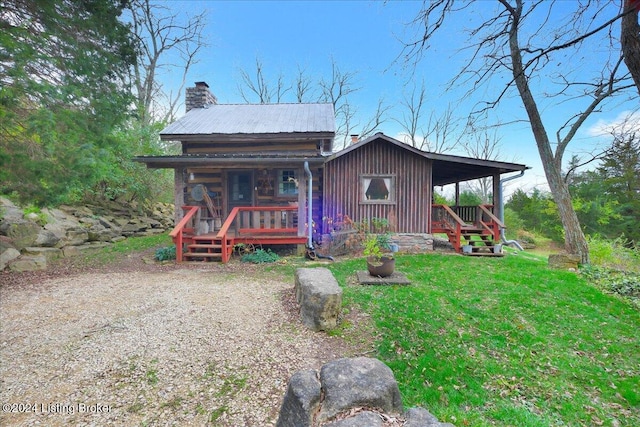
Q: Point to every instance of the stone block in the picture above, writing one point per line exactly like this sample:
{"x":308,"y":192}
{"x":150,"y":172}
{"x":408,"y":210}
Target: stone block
{"x":319,"y":296}
{"x":564,"y":261}
{"x":49,"y":253}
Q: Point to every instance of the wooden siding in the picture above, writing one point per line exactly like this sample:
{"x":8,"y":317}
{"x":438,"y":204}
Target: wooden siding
{"x":265,"y":185}
{"x":411,"y":210}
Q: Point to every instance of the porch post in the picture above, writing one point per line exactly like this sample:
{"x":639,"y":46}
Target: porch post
{"x":497,"y":194}
{"x":457,"y":194}
{"x":178,"y":193}
{"x":302,"y":202}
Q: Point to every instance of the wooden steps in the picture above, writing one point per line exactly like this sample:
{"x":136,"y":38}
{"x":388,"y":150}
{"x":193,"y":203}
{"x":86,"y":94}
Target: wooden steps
{"x":482,"y":244}
{"x":204,"y":248}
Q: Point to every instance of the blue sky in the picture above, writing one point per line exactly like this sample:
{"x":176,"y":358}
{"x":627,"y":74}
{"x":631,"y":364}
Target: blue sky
{"x":365,"y":37}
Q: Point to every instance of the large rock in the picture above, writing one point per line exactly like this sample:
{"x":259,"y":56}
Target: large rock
{"x":366,"y":418}
{"x":50,"y":254}
{"x":362,"y":381}
{"x":301,"y":401}
{"x":319,"y":296}
{"x":357,"y":392}
{"x":7,"y":254}
{"x":86,"y":249}
{"x":420,"y":417}
{"x":23,"y":233}
{"x":564,"y":261}
{"x":28,"y":263}
{"x":47,"y":238}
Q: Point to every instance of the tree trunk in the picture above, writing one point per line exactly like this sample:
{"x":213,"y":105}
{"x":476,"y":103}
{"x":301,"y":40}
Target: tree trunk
{"x":574,"y":239}
{"x":575,"y":242}
{"x":630,"y":39}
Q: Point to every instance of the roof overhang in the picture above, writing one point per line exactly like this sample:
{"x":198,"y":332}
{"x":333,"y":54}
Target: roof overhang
{"x":229,"y":161}
{"x":248,"y":137}
{"x":447,"y":169}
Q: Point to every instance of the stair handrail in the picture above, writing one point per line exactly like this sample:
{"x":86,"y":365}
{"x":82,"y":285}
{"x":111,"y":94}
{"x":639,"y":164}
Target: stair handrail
{"x":224,"y":230}
{"x":495,"y":222}
{"x":177,"y":234}
{"x":455,"y":227}
{"x":452,"y":214}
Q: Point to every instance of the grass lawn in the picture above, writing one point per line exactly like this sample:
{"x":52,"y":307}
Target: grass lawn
{"x":504,"y":341}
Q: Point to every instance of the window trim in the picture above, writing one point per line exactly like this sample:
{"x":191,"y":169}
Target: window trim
{"x":391,"y":200}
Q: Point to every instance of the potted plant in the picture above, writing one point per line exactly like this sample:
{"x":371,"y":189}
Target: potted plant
{"x":379,"y":263}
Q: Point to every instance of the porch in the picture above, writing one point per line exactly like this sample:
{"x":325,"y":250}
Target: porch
{"x":249,"y":227}
{"x":245,"y":226}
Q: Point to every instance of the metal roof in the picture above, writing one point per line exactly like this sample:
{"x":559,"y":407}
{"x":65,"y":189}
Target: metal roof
{"x":252,"y":119}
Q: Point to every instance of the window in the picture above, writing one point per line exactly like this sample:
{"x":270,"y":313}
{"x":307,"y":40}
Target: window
{"x":378,"y":189}
{"x":287,"y":183}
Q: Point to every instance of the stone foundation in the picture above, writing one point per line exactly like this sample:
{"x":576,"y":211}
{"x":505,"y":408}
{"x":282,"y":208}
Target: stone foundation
{"x":413,"y":242}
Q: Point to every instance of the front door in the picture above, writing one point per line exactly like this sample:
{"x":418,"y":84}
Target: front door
{"x":239,"y":189}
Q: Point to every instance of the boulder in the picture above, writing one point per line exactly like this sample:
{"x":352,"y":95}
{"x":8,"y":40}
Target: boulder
{"x":357,"y":382}
{"x":301,"y":401}
{"x":47,"y":238}
{"x":75,"y":237}
{"x":23,"y":233}
{"x":366,"y":418}
{"x":319,"y":296}
{"x":28,"y":263}
{"x":7,"y":254}
{"x":355,"y":392}
{"x":50,"y":254}
{"x":9,"y":213}
{"x":420,"y":417}
{"x":85,"y":249}
{"x":564,"y":261}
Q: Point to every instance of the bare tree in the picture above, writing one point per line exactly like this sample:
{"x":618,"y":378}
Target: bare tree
{"x":483,"y":144}
{"x":630,"y":38}
{"x":508,"y":41}
{"x":336,"y":89}
{"x":303,"y":86}
{"x":158,"y":33}
{"x":260,"y":87}
{"x":412,"y":106}
{"x":435,"y":133}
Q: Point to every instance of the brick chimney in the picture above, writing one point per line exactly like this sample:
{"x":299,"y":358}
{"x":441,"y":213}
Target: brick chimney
{"x":199,"y":96}
{"x":354,"y":138}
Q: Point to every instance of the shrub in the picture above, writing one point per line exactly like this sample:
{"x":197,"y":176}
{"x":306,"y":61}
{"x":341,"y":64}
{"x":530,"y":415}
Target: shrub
{"x":623,"y":283}
{"x":261,"y":256}
{"x":166,"y":253}
{"x":613,"y":253}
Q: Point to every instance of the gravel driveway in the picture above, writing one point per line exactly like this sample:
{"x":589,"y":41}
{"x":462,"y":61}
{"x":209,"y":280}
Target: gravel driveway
{"x":210,"y":345}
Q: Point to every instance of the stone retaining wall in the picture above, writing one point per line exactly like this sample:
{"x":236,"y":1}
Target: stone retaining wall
{"x":28,"y":242}
{"x":413,"y":242}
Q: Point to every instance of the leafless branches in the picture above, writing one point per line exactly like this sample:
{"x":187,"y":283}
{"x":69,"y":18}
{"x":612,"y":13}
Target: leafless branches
{"x":160,"y":33}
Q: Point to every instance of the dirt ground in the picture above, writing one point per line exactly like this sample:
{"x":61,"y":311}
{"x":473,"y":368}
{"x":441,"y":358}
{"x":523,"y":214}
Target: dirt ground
{"x":137,"y":344}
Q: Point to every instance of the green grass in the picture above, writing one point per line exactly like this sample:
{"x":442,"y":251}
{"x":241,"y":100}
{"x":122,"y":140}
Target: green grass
{"x":123,"y":248}
{"x":504,"y":342}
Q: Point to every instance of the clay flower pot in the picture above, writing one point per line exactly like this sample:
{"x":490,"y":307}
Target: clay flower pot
{"x":382,"y":266}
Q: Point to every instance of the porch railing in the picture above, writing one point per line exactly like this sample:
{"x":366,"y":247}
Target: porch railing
{"x":446,"y":220}
{"x":257,"y":221}
{"x":489,"y":221}
{"x":453,"y":220}
{"x":184,"y":231}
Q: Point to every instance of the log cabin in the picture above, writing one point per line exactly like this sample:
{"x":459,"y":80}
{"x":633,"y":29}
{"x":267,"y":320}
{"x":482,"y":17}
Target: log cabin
{"x":266,"y":174}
